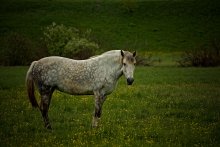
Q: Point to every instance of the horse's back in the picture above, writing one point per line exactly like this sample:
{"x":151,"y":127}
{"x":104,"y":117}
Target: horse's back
{"x":53,"y":59}
{"x":71,"y":76}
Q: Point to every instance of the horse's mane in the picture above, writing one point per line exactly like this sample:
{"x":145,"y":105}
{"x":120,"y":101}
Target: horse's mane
{"x":111,"y":52}
{"x":108,"y":57}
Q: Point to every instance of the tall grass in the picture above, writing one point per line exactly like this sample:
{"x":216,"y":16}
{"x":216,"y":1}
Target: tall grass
{"x":166,"y":106}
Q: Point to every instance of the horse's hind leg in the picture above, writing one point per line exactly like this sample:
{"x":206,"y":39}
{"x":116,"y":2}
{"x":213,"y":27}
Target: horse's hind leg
{"x":46,"y":94}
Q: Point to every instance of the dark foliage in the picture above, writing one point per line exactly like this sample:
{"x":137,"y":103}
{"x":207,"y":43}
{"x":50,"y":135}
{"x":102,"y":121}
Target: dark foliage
{"x":144,"y":61}
{"x":20,"y":50}
{"x":204,"y":56}
{"x":83,"y":54}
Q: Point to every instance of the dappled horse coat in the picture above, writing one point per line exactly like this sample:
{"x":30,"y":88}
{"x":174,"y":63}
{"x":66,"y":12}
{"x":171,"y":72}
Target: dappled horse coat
{"x":96,"y":76}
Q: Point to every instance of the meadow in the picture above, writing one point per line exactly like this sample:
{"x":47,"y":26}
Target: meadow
{"x":166,"y":106}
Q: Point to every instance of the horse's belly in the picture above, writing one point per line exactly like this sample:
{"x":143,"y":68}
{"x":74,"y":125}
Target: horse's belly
{"x":75,"y":89}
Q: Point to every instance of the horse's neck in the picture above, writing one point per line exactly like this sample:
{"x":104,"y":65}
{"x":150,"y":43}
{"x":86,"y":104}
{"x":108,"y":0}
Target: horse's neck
{"x":112,"y":63}
{"x":112,"y":60}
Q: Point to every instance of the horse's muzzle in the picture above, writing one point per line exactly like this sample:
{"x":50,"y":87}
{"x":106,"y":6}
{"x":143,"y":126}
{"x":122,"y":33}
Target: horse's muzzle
{"x":130,"y":81}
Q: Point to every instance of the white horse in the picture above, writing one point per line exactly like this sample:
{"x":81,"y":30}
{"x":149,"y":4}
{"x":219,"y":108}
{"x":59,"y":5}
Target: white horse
{"x":96,"y":76}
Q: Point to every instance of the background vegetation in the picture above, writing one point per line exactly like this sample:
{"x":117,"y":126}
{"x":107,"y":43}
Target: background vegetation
{"x":69,"y":42}
{"x":154,"y":26}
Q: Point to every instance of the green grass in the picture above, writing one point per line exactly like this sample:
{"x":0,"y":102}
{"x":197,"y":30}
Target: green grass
{"x":166,"y":106}
{"x":152,"y":26}
{"x":12,"y":77}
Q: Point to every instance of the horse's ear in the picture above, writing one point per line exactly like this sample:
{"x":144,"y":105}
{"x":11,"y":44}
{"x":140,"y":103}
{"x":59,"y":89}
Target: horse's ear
{"x":122,"y":53}
{"x":134,"y":53}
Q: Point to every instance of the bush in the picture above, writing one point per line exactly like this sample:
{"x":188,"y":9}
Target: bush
{"x":17,"y":50}
{"x":129,"y":5}
{"x":204,"y":56}
{"x":144,"y":61}
{"x":69,"y":42}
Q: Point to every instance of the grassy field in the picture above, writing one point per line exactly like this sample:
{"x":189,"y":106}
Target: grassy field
{"x":166,"y":106}
{"x":142,"y":25}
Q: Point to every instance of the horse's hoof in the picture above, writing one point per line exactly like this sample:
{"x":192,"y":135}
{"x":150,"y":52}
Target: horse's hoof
{"x":95,"y":122}
{"x":48,"y":127}
{"x":94,"y":126}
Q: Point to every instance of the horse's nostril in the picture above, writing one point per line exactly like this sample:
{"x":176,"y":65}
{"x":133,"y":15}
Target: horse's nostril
{"x":130,"y":81}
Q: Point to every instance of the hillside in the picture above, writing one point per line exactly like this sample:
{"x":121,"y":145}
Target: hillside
{"x":156,"y":26}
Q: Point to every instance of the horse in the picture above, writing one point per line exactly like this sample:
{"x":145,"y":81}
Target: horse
{"x":96,"y":76}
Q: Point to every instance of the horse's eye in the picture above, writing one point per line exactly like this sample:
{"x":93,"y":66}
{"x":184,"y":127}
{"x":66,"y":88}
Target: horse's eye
{"x":124,"y":64}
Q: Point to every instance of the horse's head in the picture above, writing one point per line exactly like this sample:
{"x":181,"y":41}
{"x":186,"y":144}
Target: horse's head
{"x":128,"y":61}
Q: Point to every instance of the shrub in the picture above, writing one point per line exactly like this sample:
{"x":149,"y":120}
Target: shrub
{"x":69,"y":42}
{"x":17,"y":50}
{"x":144,"y":61}
{"x":204,"y":56}
{"x":129,"y":5}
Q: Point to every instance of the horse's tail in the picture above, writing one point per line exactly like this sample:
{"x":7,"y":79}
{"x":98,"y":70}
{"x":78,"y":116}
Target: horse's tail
{"x":30,"y":86}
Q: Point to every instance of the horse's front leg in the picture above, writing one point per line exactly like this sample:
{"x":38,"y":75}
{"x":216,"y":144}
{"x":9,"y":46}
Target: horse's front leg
{"x":99,"y":100}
